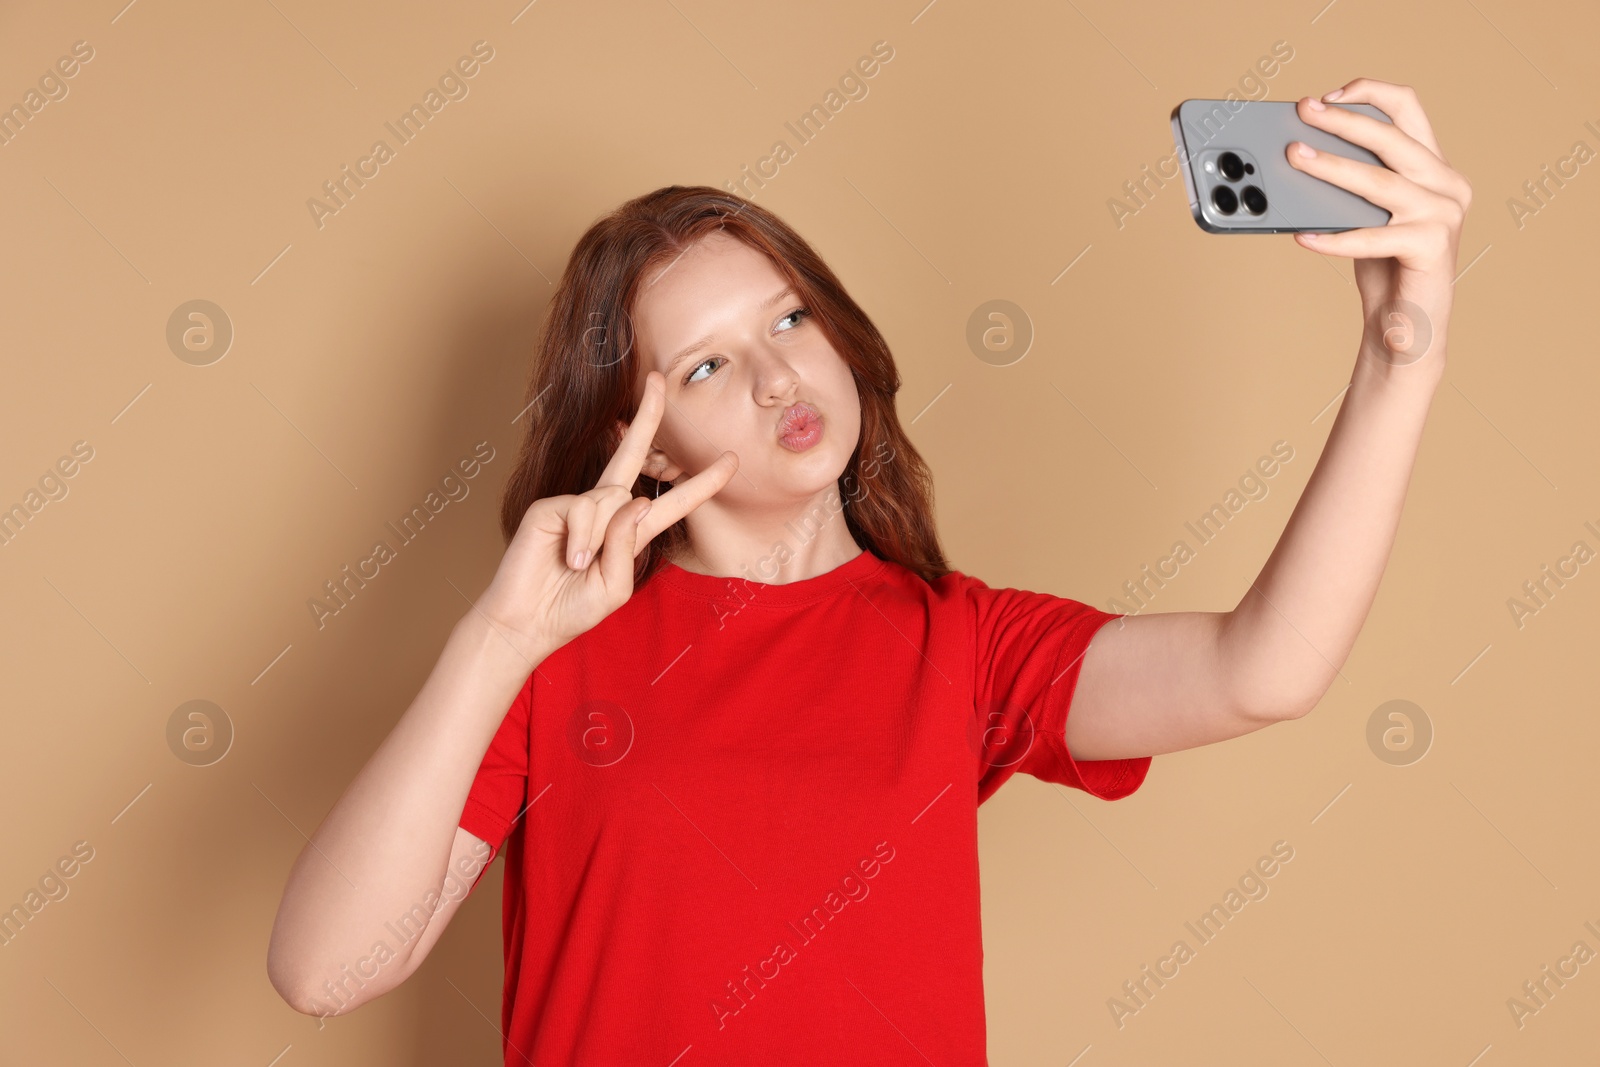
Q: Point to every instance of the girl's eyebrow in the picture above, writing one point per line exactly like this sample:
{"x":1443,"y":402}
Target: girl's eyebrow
{"x":707,"y":339}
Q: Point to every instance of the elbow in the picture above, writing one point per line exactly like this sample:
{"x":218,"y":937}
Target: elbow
{"x":1290,"y":709}
{"x":307,"y":999}
{"x":292,"y":979}
{"x":293,"y":986}
{"x":292,"y":991}
{"x":1263,"y":684}
{"x":1297,"y":705}
{"x":287,"y":969}
{"x":305,"y":1004}
{"x":1302,"y":701}
{"x":326,"y":991}
{"x":1264,"y":705}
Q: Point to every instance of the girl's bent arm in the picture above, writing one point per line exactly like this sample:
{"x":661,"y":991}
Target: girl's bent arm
{"x":392,"y":837}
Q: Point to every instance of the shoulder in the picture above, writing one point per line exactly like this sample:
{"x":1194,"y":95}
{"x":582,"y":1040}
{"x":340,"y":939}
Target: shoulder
{"x":1000,"y":606}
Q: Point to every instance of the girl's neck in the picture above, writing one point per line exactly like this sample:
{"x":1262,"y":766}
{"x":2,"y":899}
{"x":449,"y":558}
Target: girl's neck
{"x":806,"y":561}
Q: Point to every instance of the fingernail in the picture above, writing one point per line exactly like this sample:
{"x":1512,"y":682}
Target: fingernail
{"x":1315,"y":104}
{"x":582,"y":560}
{"x":1336,"y":94}
{"x":643,"y":512}
{"x":1305,"y":151}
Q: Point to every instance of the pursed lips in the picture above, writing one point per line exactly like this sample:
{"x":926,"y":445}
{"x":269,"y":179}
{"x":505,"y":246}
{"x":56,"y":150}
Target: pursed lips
{"x":797,"y":415}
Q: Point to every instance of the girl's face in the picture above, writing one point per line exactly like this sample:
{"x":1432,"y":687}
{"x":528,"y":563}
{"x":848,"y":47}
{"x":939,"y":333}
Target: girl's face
{"x":764,"y":383}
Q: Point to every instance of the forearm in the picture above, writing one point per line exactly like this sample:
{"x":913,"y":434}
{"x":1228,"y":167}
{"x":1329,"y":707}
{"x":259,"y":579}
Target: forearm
{"x":1288,"y":638}
{"x":387,"y":840}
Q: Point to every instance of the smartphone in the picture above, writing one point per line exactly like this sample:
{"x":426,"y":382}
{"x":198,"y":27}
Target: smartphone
{"x":1232,"y":154}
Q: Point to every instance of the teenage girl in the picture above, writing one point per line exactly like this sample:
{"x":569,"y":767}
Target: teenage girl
{"x":726,"y":710}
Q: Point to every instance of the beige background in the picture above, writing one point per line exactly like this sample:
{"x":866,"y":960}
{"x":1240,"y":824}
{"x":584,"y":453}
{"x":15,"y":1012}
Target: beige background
{"x":371,"y":353}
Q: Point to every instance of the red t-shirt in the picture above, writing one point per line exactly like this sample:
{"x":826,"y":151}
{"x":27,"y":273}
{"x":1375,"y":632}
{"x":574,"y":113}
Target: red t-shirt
{"x":740,"y":820}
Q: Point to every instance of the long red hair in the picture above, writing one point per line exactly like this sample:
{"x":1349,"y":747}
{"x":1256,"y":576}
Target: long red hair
{"x":582,"y":376}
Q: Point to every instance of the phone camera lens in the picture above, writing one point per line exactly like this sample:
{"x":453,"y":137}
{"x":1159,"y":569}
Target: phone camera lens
{"x":1225,"y":200}
{"x":1231,"y":166}
{"x":1255,"y":201}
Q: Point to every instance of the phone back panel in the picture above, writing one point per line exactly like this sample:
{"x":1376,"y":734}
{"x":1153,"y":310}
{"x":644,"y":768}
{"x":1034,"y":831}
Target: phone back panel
{"x":1258,"y":133}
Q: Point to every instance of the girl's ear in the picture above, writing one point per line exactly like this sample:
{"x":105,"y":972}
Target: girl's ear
{"x":656,"y":463}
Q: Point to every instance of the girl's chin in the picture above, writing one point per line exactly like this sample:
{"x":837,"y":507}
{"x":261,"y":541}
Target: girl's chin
{"x":791,"y":478}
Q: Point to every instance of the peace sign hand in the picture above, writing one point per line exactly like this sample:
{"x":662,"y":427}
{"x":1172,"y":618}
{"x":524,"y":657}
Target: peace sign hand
{"x":1405,"y":270}
{"x":570,"y":563}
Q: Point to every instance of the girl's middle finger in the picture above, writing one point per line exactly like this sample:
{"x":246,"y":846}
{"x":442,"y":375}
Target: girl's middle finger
{"x":1401,"y":153}
{"x":1400,"y":196}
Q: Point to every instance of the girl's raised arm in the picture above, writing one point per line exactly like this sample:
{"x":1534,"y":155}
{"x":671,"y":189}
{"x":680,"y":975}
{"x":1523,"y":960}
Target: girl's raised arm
{"x":1163,"y":682}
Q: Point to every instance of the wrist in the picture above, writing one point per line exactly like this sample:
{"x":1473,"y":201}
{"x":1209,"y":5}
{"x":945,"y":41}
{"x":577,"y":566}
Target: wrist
{"x":1400,"y":342}
{"x":498,"y":646}
{"x":1384,"y":363}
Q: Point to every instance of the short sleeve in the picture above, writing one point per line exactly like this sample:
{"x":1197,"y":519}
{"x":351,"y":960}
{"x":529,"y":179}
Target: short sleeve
{"x":1029,"y":648}
{"x":499,"y":791}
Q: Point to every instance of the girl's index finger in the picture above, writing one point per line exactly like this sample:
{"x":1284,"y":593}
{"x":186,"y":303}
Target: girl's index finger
{"x":1399,"y":102}
{"x":628,"y":460}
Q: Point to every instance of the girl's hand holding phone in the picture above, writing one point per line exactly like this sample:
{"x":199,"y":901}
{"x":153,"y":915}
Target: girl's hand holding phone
{"x":570,"y":563}
{"x":1405,"y":270}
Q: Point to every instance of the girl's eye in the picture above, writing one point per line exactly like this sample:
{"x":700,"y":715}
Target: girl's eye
{"x":696,"y":370}
{"x":797,"y":314}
